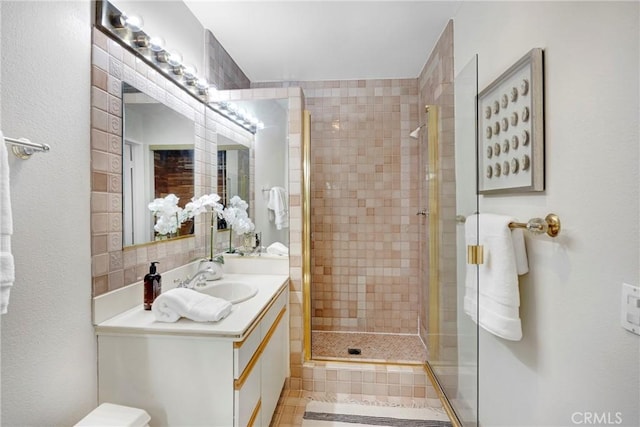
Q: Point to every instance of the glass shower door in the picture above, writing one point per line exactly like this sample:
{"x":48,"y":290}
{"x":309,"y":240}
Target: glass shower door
{"x":455,"y":363}
{"x":465,"y":396}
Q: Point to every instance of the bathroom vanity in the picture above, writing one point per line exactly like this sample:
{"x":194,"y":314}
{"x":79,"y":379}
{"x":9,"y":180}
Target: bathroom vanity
{"x":226,"y":373}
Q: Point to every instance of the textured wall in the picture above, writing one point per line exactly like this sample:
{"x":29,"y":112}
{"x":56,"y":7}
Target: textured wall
{"x":48,"y":344}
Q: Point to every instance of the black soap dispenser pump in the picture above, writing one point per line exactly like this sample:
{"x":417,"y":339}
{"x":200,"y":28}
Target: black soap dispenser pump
{"x":152,"y":286}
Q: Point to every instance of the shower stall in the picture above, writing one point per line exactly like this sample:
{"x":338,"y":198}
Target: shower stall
{"x":384,"y":257}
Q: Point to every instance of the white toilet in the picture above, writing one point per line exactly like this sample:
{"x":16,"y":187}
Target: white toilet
{"x":110,"y":415}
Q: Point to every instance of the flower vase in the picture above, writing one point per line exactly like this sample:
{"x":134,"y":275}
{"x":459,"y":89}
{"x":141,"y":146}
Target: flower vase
{"x":248,"y":242}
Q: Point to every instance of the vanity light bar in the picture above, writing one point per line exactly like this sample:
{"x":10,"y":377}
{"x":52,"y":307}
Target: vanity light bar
{"x":238,"y":115}
{"x":128,"y":30}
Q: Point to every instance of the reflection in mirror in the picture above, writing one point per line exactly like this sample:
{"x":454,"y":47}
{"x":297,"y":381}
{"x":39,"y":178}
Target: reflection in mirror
{"x":234,"y":172}
{"x":271,"y":168}
{"x":158,"y":159}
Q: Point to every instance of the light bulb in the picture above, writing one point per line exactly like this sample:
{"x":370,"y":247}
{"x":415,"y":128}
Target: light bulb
{"x":189,"y":72}
{"x":202,"y":84}
{"x":156,"y":44}
{"x":134,"y":23}
{"x":174,"y":59}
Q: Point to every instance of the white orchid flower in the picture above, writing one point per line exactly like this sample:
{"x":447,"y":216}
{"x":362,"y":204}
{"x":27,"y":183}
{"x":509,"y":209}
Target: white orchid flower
{"x":243,"y":226}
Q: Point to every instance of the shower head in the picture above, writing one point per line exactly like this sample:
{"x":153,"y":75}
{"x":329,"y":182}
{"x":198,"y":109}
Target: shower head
{"x":416,"y":132}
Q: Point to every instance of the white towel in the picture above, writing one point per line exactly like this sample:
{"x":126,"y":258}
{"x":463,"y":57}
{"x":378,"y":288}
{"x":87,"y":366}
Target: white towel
{"x":182,"y":302}
{"x":278,"y":204}
{"x":277,"y":248}
{"x":505,"y":258}
{"x":7,"y":268}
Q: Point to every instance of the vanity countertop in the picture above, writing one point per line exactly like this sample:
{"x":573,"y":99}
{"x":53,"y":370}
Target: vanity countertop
{"x":235,"y":325}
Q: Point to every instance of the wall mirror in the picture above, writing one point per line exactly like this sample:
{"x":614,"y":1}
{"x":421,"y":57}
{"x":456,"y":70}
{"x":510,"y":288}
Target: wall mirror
{"x":157,"y":160}
{"x":234,"y":172}
{"x":271,"y":166}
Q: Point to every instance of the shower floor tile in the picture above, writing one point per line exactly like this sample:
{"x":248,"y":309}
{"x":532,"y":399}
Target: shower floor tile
{"x":373,"y":347}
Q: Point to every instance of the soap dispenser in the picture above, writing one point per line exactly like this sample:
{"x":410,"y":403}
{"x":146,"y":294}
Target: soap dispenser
{"x":152,"y":286}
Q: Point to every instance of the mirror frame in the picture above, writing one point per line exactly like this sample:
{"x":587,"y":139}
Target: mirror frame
{"x":112,"y":266}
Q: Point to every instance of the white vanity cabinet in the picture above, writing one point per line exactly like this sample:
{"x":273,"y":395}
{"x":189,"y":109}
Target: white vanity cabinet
{"x":197,"y":378}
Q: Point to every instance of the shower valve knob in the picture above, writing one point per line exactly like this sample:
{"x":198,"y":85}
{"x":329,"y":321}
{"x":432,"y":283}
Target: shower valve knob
{"x":423,"y":212}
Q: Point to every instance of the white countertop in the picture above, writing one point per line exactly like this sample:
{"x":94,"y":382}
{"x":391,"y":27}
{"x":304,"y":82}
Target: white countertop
{"x":235,"y":325}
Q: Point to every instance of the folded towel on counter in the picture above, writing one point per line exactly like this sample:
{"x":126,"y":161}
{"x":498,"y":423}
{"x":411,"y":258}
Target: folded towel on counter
{"x":182,"y":302}
{"x":7,"y":268}
{"x":278,"y":204}
{"x":277,"y":248}
{"x":505,"y":258}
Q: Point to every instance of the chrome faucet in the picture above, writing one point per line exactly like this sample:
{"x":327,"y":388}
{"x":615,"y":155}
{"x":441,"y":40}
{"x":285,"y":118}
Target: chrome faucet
{"x":197,"y":279}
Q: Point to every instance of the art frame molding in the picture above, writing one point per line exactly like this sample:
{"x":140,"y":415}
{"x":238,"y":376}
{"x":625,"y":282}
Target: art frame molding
{"x":511,"y":129}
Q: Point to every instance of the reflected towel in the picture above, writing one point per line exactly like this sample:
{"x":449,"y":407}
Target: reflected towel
{"x":497,"y":278}
{"x":182,"y":302}
{"x":277,"y":248}
{"x":278,"y":204}
{"x":7,"y":268}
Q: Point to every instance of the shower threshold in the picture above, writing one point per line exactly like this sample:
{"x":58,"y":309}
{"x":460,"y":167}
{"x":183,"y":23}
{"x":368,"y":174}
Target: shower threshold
{"x":368,"y":347}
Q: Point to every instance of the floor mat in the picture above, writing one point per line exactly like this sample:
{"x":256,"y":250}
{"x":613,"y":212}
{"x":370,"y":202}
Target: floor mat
{"x":327,"y":414}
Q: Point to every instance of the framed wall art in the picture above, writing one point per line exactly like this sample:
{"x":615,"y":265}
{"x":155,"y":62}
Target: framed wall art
{"x":511,"y":129}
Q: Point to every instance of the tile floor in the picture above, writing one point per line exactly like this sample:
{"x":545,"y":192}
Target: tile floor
{"x":292,"y":404}
{"x":290,"y":408}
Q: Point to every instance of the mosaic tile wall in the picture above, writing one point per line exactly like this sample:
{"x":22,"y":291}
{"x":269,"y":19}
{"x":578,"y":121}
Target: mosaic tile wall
{"x":222,"y":70}
{"x":364,"y":196}
{"x":112,"y":266}
{"x":436,"y":88}
{"x":341,"y":113}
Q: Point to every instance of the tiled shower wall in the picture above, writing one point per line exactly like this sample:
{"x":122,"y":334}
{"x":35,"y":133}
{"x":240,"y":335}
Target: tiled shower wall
{"x":364,"y":199}
{"x":436,"y":88}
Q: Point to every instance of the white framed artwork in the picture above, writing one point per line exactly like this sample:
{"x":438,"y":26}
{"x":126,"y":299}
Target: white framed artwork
{"x":511,"y":129}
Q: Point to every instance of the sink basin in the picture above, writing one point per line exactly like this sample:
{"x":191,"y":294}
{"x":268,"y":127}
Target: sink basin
{"x":234,"y":292}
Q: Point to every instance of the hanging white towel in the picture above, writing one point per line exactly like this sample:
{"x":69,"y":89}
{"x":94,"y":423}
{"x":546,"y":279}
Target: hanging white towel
{"x":182,"y":302}
{"x":278,"y":204}
{"x":7,"y":269}
{"x":505,"y":258}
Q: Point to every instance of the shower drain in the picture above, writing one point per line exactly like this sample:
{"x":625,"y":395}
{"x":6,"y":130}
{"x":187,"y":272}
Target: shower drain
{"x":354,"y":351}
